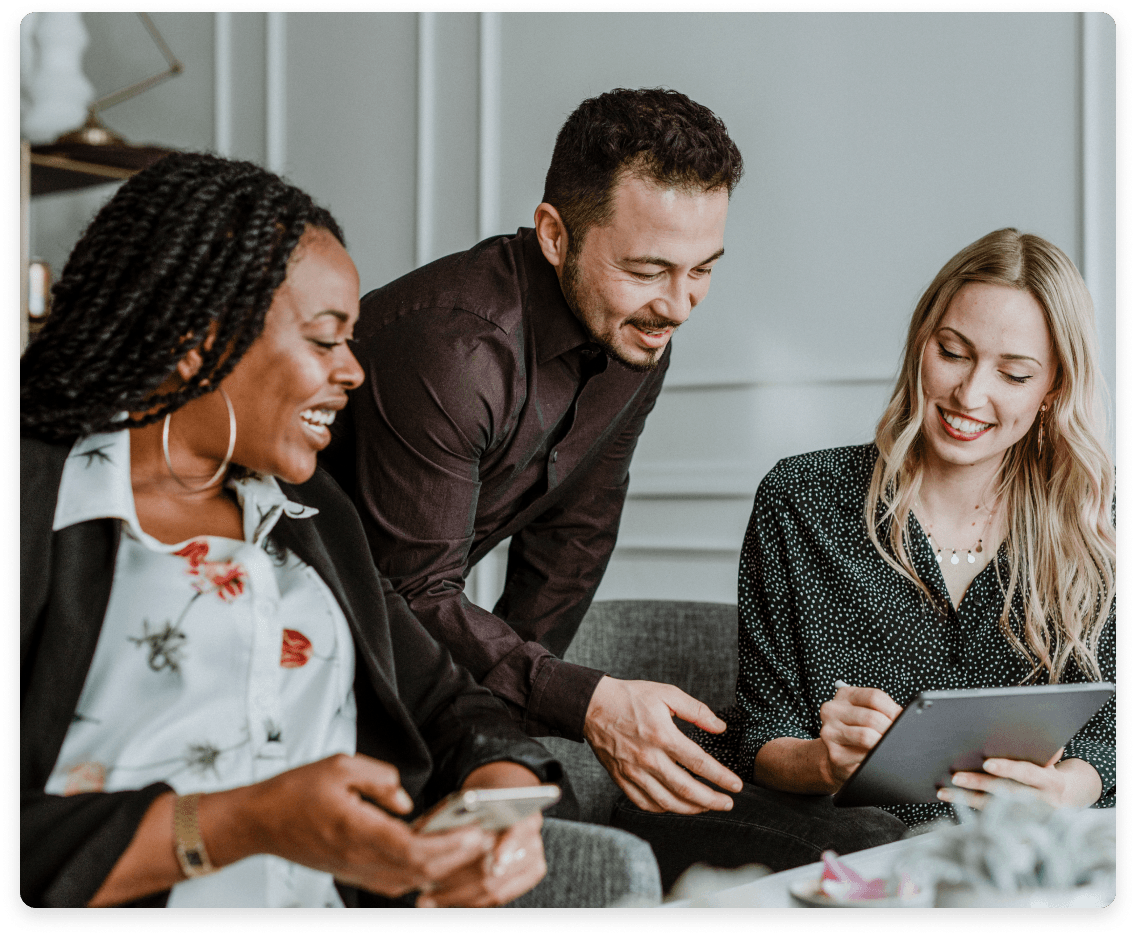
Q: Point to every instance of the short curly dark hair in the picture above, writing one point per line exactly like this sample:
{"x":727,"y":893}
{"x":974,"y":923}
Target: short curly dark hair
{"x":655,"y":132}
{"x":191,"y":244}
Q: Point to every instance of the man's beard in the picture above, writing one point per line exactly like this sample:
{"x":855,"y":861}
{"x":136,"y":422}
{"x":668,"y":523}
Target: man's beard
{"x":570,"y":286}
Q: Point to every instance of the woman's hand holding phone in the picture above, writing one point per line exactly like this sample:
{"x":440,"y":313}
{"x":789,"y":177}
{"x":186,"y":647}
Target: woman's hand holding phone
{"x":514,"y":863}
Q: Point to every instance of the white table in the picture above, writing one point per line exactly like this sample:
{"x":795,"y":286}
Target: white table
{"x":773,"y":889}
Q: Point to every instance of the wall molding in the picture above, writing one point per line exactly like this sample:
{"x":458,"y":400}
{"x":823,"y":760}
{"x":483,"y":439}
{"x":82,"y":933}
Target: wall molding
{"x":701,"y":550}
{"x":223,"y":84}
{"x":275,"y":101}
{"x":694,"y":381}
{"x":489,"y":125}
{"x":427,"y":106}
{"x":694,"y":479}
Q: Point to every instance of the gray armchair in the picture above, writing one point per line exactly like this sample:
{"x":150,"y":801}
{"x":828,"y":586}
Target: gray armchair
{"x":689,"y":644}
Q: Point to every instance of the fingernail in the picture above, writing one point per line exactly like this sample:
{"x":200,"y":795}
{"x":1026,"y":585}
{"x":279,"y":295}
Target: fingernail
{"x":943,"y":795}
{"x":403,"y":801}
{"x":426,"y":902}
{"x":989,"y":764}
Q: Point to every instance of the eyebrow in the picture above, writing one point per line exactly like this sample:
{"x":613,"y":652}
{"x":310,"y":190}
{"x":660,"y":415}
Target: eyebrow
{"x":1004,"y":357}
{"x":670,"y":264}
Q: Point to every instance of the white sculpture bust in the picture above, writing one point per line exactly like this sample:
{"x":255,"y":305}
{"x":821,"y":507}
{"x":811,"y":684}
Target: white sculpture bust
{"x":54,"y":92}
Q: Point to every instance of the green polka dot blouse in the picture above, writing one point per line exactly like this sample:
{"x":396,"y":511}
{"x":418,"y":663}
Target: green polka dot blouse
{"x":817,"y":603}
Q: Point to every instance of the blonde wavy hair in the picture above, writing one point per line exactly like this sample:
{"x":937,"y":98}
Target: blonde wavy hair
{"x":1061,"y":536}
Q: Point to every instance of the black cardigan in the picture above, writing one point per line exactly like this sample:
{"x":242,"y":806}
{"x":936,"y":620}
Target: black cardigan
{"x":417,"y":709}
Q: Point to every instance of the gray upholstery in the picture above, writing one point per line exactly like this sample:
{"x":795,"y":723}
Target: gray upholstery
{"x":689,"y":644}
{"x":594,"y":866}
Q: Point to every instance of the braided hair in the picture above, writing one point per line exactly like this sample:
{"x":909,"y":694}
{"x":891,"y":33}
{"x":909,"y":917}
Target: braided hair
{"x":193,"y":245}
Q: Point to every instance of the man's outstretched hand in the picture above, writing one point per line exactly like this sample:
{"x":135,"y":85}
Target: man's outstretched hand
{"x":629,"y":726}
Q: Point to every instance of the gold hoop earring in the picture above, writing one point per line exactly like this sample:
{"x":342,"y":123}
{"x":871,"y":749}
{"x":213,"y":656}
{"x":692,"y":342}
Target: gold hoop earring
{"x":1041,"y":427}
{"x":228,"y":455}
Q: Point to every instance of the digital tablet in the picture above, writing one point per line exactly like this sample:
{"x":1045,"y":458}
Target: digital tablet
{"x":947,"y":730}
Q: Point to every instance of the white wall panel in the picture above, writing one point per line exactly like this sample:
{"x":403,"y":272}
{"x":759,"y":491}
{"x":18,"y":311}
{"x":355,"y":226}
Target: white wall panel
{"x":351,"y":120}
{"x":876,"y":146}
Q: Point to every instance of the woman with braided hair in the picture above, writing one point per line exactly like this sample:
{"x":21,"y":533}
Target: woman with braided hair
{"x":214,"y":677}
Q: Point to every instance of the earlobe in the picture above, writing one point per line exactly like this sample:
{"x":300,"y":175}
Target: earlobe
{"x":190,"y":364}
{"x":551,"y":234}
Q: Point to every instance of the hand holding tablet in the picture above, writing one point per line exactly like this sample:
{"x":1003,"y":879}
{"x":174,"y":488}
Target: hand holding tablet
{"x":979,"y":739}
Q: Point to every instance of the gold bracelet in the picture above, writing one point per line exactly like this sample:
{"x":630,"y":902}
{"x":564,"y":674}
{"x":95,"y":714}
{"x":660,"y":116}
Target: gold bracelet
{"x":191,"y":854}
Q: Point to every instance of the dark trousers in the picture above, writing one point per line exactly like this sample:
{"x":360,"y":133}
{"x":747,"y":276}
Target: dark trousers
{"x":769,"y":827}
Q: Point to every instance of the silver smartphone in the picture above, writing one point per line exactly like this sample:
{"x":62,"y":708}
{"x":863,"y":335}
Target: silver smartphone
{"x":492,"y":809}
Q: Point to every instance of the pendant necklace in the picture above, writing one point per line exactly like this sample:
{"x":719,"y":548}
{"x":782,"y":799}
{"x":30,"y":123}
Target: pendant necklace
{"x":972,"y":552}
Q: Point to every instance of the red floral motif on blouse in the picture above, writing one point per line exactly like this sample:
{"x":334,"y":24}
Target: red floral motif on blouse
{"x":87,"y":777}
{"x":194,"y":552}
{"x":296,"y":649}
{"x":227,"y":579}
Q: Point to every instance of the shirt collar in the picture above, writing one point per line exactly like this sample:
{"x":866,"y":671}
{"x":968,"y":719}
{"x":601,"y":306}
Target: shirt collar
{"x":96,"y":484}
{"x":557,"y":329}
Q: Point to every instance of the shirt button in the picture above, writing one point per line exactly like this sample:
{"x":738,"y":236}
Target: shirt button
{"x":554,"y":457}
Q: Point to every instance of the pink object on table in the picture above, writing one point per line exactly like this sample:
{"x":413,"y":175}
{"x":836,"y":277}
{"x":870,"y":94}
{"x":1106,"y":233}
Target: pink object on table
{"x":843,"y":883}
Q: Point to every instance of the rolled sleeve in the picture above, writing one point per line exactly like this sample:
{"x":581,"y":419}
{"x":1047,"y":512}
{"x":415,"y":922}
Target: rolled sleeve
{"x":770,"y":695}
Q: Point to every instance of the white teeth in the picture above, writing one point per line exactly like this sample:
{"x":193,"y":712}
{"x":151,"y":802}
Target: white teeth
{"x":967,"y":426}
{"x":321,"y":417}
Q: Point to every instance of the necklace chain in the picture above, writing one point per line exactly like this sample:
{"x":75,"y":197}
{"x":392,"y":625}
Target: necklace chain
{"x":971,"y":553}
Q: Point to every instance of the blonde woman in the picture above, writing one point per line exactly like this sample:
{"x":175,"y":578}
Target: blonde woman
{"x":971,"y":545}
{"x":990,"y":453}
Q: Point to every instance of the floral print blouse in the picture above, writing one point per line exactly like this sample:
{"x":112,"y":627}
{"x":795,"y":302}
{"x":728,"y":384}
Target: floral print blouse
{"x":220,"y":663}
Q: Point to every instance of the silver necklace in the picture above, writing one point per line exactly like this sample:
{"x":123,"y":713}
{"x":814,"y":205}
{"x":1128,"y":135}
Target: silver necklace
{"x":972,"y":553}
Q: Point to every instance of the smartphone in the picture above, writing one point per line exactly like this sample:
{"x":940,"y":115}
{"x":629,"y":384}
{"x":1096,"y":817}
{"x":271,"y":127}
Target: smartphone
{"x":492,"y":809}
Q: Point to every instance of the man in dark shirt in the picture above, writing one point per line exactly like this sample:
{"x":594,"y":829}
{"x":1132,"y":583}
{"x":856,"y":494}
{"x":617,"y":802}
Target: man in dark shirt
{"x":506,"y":389}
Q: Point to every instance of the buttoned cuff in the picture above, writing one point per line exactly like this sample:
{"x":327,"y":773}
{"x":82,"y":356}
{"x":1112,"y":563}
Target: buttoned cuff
{"x":559,"y":699}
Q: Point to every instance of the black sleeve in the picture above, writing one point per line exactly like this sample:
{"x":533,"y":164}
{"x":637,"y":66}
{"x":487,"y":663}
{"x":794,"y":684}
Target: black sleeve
{"x":68,"y":845}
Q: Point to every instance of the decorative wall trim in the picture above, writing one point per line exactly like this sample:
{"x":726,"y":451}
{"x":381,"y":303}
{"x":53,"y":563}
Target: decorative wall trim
{"x":695,"y":479}
{"x":1092,"y":52}
{"x":697,"y":381}
{"x":223,"y":84}
{"x":424,"y":193}
{"x":489,"y":125}
{"x":707,"y":549}
{"x":275,"y":78}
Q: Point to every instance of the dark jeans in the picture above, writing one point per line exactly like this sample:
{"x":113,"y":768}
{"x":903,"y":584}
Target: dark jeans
{"x":769,"y":827}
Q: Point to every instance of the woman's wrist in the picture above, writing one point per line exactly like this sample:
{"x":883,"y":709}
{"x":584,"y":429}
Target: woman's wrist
{"x":795,"y":765}
{"x":1083,"y":785}
{"x":232,"y":825}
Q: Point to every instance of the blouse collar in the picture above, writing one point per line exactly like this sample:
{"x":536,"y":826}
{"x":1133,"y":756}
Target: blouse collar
{"x":96,"y":484}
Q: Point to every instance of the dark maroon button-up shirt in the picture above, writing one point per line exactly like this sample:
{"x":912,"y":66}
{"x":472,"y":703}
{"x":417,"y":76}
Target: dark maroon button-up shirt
{"x":487,"y":413}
